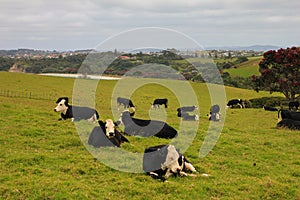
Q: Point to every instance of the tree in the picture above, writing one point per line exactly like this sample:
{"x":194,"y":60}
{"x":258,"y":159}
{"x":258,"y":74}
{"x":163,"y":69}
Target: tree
{"x":280,"y":72}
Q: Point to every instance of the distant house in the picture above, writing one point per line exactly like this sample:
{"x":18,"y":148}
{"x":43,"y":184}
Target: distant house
{"x":124,"y":57}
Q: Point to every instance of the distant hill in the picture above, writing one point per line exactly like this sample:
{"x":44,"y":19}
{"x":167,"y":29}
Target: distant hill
{"x":246,"y":48}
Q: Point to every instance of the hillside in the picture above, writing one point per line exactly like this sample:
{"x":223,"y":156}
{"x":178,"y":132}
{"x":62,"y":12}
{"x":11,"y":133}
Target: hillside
{"x":43,"y":158}
{"x":246,"y":69}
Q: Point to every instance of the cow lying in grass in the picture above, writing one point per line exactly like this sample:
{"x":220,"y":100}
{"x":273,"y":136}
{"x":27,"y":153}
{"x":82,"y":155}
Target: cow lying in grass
{"x":146,"y":128}
{"x":289,"y":123}
{"x":214,"y":113}
{"x":76,"y":113}
{"x":183,"y":112}
{"x":162,"y":161}
{"x":106,"y":135}
{"x":288,"y":114}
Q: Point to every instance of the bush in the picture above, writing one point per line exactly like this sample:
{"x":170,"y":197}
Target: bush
{"x":267,"y":101}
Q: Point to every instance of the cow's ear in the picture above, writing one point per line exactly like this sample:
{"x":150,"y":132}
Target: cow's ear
{"x":59,"y":99}
{"x":67,"y":100}
{"x":101,"y":123}
{"x":117,"y":123}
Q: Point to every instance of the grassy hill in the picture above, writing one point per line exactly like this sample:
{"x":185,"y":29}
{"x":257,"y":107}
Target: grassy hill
{"x":247,"y":68}
{"x":42,"y":158}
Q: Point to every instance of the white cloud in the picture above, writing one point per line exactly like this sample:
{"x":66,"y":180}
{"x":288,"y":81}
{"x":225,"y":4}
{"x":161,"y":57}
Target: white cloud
{"x":83,"y":24}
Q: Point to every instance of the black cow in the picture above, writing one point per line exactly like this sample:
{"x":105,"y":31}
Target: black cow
{"x":127,"y":103}
{"x":269,"y":108}
{"x":158,"y":102}
{"x":289,"y":123}
{"x":293,"y":105}
{"x":214,"y":113}
{"x":106,"y":135}
{"x":146,"y":128}
{"x":183,"y":111}
{"x":162,"y":161}
{"x":186,"y":109}
{"x":187,"y":117}
{"x":75,"y":113}
{"x":234,"y":102}
{"x":288,"y":114}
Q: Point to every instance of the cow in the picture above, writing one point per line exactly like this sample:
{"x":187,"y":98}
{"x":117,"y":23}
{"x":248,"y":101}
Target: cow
{"x":288,"y":114}
{"x":158,"y":102}
{"x":269,"y":108}
{"x":234,"y":102}
{"x":289,"y":123}
{"x":106,"y":135}
{"x":146,"y":128}
{"x":293,"y":105}
{"x":75,"y":113}
{"x":187,"y":117}
{"x":162,"y":161}
{"x":214,"y":113}
{"x":127,"y":103}
{"x":187,"y":109}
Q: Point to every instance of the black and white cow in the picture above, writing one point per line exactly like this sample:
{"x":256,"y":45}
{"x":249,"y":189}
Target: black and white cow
{"x":75,"y":113}
{"x":106,"y":135}
{"x":162,"y":161}
{"x":187,"y":109}
{"x":289,"y":123}
{"x":187,"y":117}
{"x":293,"y":105}
{"x":269,"y":108}
{"x":234,"y":102}
{"x":146,"y":128}
{"x":127,"y":103}
{"x":288,"y":114}
{"x":214,"y":113}
{"x":158,"y":102}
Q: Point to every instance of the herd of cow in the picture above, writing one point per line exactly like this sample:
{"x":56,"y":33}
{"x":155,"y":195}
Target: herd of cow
{"x":158,"y":161}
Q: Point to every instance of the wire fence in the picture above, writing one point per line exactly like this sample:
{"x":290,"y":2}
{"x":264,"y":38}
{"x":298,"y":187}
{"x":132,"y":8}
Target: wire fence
{"x":27,"y":95}
{"x":42,"y":96}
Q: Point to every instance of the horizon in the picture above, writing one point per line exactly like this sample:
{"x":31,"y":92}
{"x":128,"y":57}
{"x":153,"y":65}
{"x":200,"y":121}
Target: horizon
{"x":229,"y":48}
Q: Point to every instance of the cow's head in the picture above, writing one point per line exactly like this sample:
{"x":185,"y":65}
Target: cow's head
{"x":109,"y":128}
{"x":171,"y":163}
{"x":62,"y":104}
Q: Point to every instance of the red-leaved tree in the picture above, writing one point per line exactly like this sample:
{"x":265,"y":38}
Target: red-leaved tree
{"x":280,"y":72}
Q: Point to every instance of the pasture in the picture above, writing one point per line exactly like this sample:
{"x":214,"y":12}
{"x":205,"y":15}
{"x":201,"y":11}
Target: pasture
{"x":42,"y":158}
{"x":246,"y":69}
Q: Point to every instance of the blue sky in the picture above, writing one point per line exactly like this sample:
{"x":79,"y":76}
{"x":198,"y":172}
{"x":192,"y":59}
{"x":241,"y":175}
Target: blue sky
{"x":74,"y":24}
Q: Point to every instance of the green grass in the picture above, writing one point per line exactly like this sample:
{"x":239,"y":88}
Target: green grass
{"x":247,"y":68}
{"x":42,"y":158}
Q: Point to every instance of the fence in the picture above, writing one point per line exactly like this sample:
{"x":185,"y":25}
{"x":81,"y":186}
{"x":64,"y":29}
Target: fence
{"x":27,"y":95}
{"x":42,"y":96}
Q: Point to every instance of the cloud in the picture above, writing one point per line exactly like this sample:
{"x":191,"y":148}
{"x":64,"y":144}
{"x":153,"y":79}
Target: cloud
{"x":86,"y":23}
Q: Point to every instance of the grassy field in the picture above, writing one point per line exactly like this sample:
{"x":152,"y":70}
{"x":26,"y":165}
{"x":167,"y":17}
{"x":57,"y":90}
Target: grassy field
{"x":43,"y":158}
{"x":247,"y":68}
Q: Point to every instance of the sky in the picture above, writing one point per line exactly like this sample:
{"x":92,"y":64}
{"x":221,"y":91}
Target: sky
{"x":74,"y":25}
